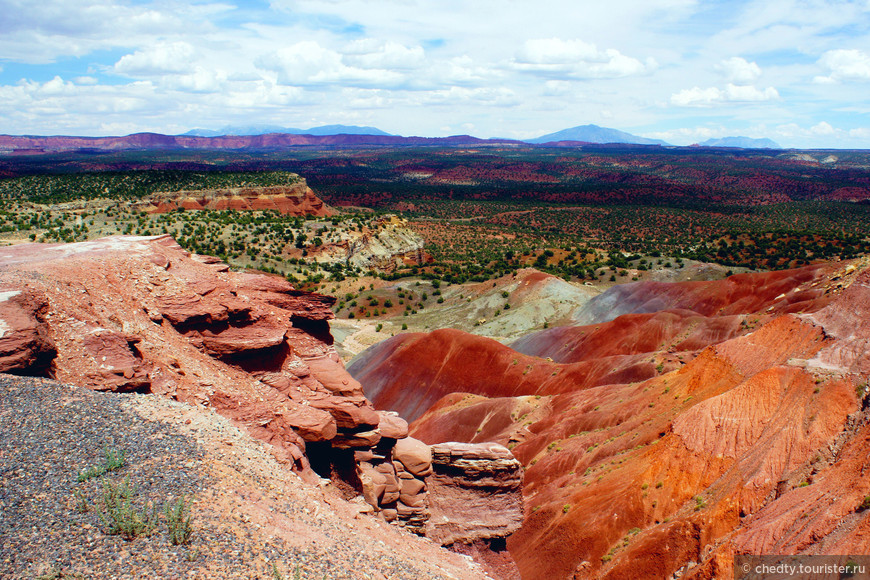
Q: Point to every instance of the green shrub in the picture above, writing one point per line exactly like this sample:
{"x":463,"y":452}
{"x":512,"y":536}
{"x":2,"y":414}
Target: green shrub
{"x":120,"y":516}
{"x":60,"y":574}
{"x":178,"y":520}
{"x":114,"y":459}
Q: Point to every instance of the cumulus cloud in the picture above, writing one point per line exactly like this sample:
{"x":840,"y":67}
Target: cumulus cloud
{"x":557,"y":58}
{"x":823,"y":128}
{"x":307,"y":63}
{"x":371,"y":53}
{"x":708,"y":97}
{"x":42,"y":32}
{"x":739,"y":71}
{"x":161,"y":59}
{"x":844,"y":65}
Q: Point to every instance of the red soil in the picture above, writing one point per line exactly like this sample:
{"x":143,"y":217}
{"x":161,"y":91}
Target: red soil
{"x":755,"y":442}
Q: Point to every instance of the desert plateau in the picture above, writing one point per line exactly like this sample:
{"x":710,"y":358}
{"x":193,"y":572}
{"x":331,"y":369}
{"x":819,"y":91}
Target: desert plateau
{"x":378,"y":290}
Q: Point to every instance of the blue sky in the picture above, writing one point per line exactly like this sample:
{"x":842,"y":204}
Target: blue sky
{"x":684,"y":71}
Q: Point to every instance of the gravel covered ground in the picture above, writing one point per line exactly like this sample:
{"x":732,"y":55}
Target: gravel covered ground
{"x":251,"y":516}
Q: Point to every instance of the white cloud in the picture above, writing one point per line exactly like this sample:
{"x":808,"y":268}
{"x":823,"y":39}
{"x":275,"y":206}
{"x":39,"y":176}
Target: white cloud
{"x":414,"y":67}
{"x":845,"y":65}
{"x":42,"y":32}
{"x":495,"y":96}
{"x":822,"y":134}
{"x":370,"y":53}
{"x":823,"y":128}
{"x":739,"y":71}
{"x":307,"y":63}
{"x":554,"y":57}
{"x":161,"y":59}
{"x":698,"y":97}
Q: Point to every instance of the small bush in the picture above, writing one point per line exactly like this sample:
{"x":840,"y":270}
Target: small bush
{"x":114,"y":459}
{"x":81,"y":502}
{"x":120,"y":516}
{"x":178,"y":520}
{"x":60,"y":574}
{"x":864,"y":505}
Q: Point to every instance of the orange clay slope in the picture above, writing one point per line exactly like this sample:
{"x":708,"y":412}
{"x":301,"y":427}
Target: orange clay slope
{"x":665,"y":442}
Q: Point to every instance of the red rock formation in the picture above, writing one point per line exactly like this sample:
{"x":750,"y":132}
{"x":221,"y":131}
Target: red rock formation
{"x":297,"y":199}
{"x":751,"y":437}
{"x":475,"y":493}
{"x":24,"y":343}
{"x":142,"y":314}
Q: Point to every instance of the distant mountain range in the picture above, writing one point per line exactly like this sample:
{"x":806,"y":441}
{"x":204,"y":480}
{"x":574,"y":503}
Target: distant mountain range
{"x":270,"y":141}
{"x":595,"y":134}
{"x":274,"y":137}
{"x":270,"y":129}
{"x":741,"y":142}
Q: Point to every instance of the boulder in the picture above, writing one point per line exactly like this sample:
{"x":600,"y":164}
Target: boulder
{"x":231,"y":340}
{"x":392,"y":490}
{"x":474,"y":493}
{"x":391,"y":425}
{"x":416,"y":456}
{"x":413,"y":492}
{"x":311,"y":424}
{"x":188,"y":309}
{"x":348,"y":414}
{"x":373,"y":483}
{"x":119,"y":365}
{"x":366,"y":439}
{"x":25,"y":347}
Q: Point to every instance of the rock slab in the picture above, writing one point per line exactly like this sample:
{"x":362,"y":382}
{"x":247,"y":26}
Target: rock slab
{"x":475,"y":493}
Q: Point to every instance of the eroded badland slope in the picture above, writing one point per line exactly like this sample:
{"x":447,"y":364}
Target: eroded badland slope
{"x":683,"y":424}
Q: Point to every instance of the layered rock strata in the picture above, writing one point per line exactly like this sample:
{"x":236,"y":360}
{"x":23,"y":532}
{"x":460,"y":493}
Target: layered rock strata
{"x":475,"y":493}
{"x":295,"y":199}
{"x":387,"y":244}
{"x":685,"y":424}
{"x":451,"y":492}
{"x":141,"y":314}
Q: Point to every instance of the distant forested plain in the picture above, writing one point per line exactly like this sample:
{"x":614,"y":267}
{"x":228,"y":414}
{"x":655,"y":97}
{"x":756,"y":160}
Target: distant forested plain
{"x":485,"y":211}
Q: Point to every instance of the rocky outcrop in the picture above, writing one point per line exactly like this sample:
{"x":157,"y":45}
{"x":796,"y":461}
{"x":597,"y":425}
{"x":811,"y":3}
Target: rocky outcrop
{"x":452,"y":492}
{"x":25,"y":347}
{"x":386,"y":244}
{"x":295,"y":199}
{"x":141,"y":314}
{"x":475,"y":493}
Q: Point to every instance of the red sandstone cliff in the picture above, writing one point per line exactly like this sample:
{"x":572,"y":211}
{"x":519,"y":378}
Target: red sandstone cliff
{"x":142,"y":314}
{"x":297,"y":199}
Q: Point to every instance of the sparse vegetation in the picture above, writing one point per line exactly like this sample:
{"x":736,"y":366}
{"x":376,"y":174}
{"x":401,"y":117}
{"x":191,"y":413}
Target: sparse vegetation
{"x":120,"y":516}
{"x":113,"y":459}
{"x":178,"y":520}
{"x":58,"y":573}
